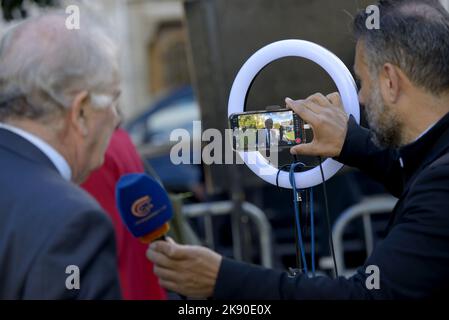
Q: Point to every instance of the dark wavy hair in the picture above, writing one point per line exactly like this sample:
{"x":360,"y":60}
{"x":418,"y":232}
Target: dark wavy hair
{"x":413,"y":35}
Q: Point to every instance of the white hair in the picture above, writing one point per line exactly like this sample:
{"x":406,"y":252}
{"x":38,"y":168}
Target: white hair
{"x":43,"y":65}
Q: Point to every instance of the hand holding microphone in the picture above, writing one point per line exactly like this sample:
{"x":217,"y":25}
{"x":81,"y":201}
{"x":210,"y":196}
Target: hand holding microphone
{"x":188,"y":270}
{"x":145,"y":209}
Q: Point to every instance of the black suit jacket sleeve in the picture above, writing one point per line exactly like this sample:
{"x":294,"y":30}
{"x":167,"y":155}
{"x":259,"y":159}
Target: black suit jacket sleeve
{"x":412,"y":260}
{"x":85,"y":240}
{"x":380,"y":164}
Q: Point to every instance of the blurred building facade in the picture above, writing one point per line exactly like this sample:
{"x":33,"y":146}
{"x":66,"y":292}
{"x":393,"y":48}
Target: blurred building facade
{"x":153,"y":47}
{"x":152,"y":42}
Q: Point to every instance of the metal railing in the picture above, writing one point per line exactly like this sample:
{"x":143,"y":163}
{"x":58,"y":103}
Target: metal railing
{"x":219,"y":208}
{"x":365,"y":209}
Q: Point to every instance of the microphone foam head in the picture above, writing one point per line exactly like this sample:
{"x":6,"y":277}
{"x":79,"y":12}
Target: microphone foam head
{"x":143,"y":204}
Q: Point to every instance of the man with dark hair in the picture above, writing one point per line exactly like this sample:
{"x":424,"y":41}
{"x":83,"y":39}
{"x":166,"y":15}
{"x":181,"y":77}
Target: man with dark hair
{"x":267,"y":137}
{"x":269,"y":134}
{"x":404,"y":72}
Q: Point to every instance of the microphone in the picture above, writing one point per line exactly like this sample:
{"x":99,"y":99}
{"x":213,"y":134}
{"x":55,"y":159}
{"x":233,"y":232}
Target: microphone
{"x":144,"y":206}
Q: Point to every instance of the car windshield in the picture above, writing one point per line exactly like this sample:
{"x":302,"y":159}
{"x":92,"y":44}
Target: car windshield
{"x":178,"y":115}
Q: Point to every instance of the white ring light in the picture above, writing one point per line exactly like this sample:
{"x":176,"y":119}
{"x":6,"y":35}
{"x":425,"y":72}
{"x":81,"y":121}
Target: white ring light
{"x":339,"y":74}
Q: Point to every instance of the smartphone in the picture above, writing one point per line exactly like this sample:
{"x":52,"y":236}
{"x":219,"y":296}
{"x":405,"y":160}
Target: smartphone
{"x":273,"y":129}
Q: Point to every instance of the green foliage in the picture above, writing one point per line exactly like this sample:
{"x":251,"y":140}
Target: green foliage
{"x":290,"y":135}
{"x":254,"y":121}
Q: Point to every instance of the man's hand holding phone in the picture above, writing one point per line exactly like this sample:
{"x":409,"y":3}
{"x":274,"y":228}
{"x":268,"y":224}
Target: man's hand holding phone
{"x":329,"y":122}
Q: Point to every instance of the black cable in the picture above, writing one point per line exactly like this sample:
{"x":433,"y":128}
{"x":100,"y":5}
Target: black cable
{"x":297,"y":201}
{"x":285,"y":166}
{"x":298,"y":250}
{"x":331,"y":242}
{"x":306,"y":216}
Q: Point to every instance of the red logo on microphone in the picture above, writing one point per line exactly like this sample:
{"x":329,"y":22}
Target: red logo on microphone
{"x":142,"y":207}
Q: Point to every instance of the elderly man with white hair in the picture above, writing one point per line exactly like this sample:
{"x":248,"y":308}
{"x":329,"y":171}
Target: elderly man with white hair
{"x":58,"y":94}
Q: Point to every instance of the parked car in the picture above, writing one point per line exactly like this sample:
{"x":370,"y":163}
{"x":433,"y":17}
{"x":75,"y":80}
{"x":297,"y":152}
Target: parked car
{"x":151,"y":131}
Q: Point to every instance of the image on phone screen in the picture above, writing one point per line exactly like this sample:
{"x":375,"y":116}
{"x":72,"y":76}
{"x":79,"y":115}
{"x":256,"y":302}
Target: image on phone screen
{"x":262,"y":130}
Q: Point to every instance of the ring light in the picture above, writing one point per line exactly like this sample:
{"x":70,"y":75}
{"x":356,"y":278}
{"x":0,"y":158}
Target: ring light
{"x":242,"y":83}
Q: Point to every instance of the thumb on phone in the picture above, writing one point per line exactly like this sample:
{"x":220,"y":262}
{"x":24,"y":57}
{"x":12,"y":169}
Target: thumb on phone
{"x":307,"y":149}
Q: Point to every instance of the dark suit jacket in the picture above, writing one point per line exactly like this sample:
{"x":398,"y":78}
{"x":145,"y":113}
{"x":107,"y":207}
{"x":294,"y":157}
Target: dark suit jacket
{"x":413,"y":259}
{"x":46,"y":225}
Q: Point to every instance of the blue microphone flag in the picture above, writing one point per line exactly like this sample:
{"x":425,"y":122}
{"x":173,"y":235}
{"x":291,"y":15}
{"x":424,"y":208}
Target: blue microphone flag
{"x":143,"y":203}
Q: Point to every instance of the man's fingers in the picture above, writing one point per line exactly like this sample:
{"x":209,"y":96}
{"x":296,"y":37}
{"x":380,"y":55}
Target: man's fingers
{"x":162,"y":247}
{"x":312,"y":105}
{"x":170,"y":249}
{"x":171,"y":286}
{"x":319,"y":99}
{"x":308,"y":149}
{"x":335,"y":99}
{"x":302,"y":110}
{"x":159,"y":258}
{"x":170,"y":240}
{"x":165,"y":274}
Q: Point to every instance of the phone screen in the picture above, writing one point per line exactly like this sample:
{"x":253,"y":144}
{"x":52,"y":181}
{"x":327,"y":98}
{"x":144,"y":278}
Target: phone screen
{"x":262,"y":130}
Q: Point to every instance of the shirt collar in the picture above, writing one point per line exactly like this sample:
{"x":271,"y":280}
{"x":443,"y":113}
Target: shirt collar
{"x":425,"y":131}
{"x":426,"y":148}
{"x":55,"y":157}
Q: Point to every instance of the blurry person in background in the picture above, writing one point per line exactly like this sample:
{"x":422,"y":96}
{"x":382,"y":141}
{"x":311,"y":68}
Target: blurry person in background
{"x":137,"y":279}
{"x":281,"y":133}
{"x":58,"y":94}
{"x":270,"y":135}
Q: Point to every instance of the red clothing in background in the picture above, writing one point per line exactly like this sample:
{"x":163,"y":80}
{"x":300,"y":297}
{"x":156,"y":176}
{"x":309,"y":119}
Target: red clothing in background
{"x":137,"y":279}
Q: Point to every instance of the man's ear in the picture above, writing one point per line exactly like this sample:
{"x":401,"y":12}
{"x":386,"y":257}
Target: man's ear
{"x":78,"y":113}
{"x":390,"y":83}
